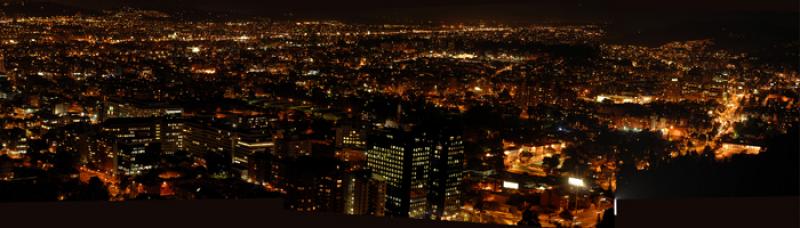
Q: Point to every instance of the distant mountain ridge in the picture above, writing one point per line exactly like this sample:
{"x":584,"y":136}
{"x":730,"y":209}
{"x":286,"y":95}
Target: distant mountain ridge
{"x":27,"y":8}
{"x":767,"y":34}
{"x":40,"y":9}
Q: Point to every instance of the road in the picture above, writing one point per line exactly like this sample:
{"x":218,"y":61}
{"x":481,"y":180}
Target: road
{"x":111,"y":181}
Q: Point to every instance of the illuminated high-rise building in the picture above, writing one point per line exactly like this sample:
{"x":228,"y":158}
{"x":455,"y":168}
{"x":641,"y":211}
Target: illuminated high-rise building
{"x":402,"y":157}
{"x":422,"y":164}
{"x":446,"y":175}
{"x":365,"y":194}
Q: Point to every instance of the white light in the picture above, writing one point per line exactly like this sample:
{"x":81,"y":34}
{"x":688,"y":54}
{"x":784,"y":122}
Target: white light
{"x":615,"y":206}
{"x":263,"y":144}
{"x":511,"y":185}
{"x":576,"y":182}
{"x":464,"y":56}
{"x":174,"y":111}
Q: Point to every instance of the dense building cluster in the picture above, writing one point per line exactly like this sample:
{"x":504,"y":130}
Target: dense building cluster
{"x":492,"y":123}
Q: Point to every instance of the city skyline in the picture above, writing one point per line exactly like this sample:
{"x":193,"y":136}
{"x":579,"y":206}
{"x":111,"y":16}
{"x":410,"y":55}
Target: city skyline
{"x":528,"y":123}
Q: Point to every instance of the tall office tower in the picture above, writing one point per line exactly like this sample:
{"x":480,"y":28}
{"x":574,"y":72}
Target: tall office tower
{"x":446,"y":175}
{"x":365,"y":194}
{"x":402,"y":157}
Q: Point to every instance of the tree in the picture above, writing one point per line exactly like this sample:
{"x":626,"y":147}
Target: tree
{"x":529,"y":218}
{"x":95,"y":190}
{"x":35,"y":150}
{"x":65,"y":163}
{"x":608,"y":219}
{"x":566,"y":215}
{"x":217,"y":163}
{"x":551,"y":163}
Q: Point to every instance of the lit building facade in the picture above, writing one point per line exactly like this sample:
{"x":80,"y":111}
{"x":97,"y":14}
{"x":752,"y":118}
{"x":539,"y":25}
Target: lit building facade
{"x":447,"y":173}
{"x":403,"y":159}
{"x":166,"y":131}
{"x":352,"y":136}
{"x":365,"y":194}
{"x":116,"y":108}
{"x":135,"y":144}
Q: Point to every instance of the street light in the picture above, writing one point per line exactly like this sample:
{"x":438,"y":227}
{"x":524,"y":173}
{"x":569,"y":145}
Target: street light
{"x":577,"y":183}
